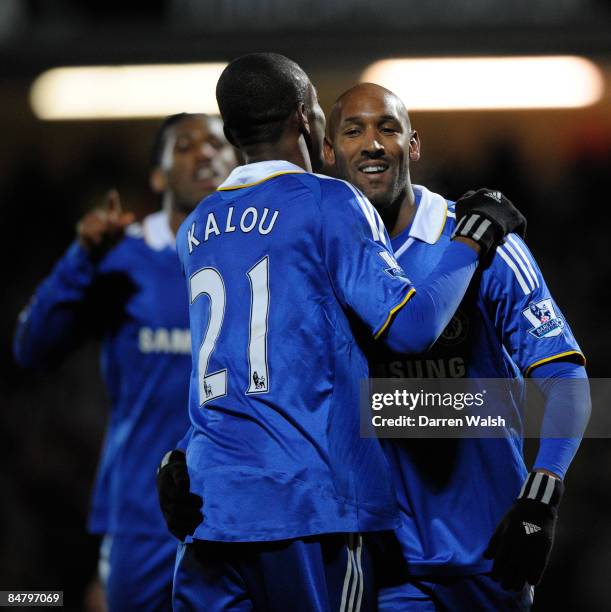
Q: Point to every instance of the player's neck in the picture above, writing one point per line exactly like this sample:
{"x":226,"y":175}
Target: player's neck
{"x":175,"y":218}
{"x":176,"y":214}
{"x":401,"y":213}
{"x":291,"y":151}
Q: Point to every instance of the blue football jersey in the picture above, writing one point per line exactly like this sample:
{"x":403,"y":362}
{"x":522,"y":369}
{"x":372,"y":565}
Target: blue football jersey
{"x":135,"y":298}
{"x":453,"y":492}
{"x":280,"y":265}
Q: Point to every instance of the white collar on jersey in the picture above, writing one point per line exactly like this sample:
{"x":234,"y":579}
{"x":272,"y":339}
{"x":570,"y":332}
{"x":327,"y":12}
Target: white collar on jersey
{"x":430,"y":217}
{"x":249,"y":174}
{"x":157,"y":232}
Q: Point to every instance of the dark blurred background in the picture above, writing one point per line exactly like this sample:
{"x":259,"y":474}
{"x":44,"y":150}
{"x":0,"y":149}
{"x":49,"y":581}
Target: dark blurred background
{"x":555,"y":164}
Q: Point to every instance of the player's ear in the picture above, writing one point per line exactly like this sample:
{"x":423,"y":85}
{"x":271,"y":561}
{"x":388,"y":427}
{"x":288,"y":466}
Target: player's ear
{"x":301,"y":116}
{"x":158,"y":180}
{"x":329,"y":153}
{"x":414,"y":146}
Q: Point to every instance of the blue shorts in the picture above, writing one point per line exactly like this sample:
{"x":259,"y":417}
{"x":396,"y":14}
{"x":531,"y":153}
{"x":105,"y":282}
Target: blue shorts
{"x":476,"y":593}
{"x":136,"y":571}
{"x":315,"y":574}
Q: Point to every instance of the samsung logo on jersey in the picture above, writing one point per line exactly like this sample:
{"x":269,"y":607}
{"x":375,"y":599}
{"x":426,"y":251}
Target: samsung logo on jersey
{"x":250,"y":220}
{"x":453,"y":367}
{"x":161,"y":340}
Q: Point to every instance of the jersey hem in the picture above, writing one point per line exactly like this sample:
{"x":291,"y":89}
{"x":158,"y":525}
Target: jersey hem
{"x":273,"y":505}
{"x":374,"y":523}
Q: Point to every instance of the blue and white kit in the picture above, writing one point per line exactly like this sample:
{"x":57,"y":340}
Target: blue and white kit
{"x":281,"y":266}
{"x":453,"y":493}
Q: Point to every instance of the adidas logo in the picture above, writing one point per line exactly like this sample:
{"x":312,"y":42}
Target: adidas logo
{"x":495,"y":195}
{"x":529,"y":528}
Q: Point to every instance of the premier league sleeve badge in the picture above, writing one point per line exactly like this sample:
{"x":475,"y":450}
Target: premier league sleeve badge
{"x":542,"y":316}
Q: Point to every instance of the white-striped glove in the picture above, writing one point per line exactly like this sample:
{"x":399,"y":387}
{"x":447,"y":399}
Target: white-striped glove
{"x":522,"y":543}
{"x":487,"y":216}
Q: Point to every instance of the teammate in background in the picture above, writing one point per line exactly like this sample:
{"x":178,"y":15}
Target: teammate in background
{"x":454,"y":493}
{"x":122,"y":280}
{"x":282,"y":265}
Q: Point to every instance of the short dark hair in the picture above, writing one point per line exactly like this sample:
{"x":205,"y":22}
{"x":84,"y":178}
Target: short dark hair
{"x":256,"y":93}
{"x":160,"y":136}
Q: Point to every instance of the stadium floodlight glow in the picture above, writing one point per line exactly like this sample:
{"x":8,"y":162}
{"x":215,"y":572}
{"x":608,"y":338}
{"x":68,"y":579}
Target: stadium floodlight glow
{"x":121,"y":92}
{"x":492,"y":83}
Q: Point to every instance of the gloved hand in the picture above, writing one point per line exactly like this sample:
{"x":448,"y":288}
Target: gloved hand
{"x":487,"y":216}
{"x":522,"y":543}
{"x":181,"y":508}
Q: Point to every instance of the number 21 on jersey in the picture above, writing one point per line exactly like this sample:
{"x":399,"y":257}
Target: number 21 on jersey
{"x":209,"y":282}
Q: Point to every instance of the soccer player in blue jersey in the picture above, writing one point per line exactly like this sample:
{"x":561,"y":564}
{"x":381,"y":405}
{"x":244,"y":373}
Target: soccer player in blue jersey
{"x":282,"y":267}
{"x":123,"y":280}
{"x":454,"y":494}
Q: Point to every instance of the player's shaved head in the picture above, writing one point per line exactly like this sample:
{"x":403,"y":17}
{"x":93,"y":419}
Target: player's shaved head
{"x":356,"y":97}
{"x":256,"y":93}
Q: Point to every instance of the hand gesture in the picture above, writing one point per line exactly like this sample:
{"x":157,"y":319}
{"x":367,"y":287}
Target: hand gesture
{"x":99,"y":230}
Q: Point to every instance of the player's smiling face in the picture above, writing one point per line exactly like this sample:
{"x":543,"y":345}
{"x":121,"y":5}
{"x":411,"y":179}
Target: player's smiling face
{"x":372,"y":144}
{"x":197,"y":159}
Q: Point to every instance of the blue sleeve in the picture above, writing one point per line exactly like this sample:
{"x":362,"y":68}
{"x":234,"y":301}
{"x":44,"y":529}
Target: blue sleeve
{"x":365,"y":275}
{"x":418,"y":325}
{"x":567,"y":409}
{"x":49,"y":326}
{"x":532,"y":327}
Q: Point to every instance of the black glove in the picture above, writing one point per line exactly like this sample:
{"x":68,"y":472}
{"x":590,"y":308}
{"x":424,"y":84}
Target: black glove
{"x":522,"y":543}
{"x":180,"y":507}
{"x":487,"y":216}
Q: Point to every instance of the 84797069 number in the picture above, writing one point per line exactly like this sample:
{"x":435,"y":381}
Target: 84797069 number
{"x":31,"y":598}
